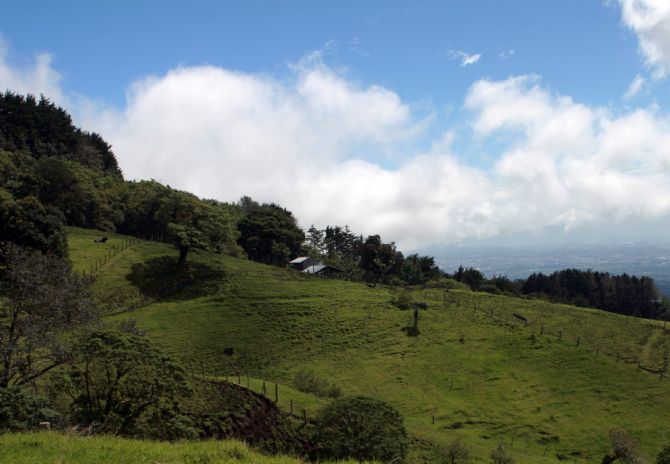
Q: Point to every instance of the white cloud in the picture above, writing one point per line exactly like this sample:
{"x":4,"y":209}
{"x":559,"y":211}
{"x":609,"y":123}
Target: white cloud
{"x":650,"y":20}
{"x":35,"y":78}
{"x":506,"y":54}
{"x":314,"y":141}
{"x":466,"y":59}
{"x":635,"y":87}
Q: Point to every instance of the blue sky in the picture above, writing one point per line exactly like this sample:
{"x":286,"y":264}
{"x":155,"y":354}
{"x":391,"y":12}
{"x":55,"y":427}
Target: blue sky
{"x":578,"y":46}
{"x":433,"y":122}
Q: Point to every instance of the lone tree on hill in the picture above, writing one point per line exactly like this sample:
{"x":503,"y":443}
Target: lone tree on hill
{"x":192,"y":224}
{"x":41,"y":302}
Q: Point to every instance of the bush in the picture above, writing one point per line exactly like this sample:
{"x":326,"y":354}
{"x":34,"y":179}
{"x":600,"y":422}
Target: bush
{"x":308,"y":382}
{"x":456,"y":453}
{"x":403,"y":300}
{"x":125,"y":386}
{"x":499,"y":455}
{"x":20,"y":411}
{"x":360,"y":428}
{"x":664,"y":456}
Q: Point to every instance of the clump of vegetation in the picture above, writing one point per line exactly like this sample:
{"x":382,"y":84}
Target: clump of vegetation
{"x":456,"y":452}
{"x":402,"y":300}
{"x":308,"y":382}
{"x":42,"y":301}
{"x":122,"y":385}
{"x":20,"y":411}
{"x":360,"y":428}
{"x":500,"y":455}
{"x":664,"y":456}
{"x":624,"y":448}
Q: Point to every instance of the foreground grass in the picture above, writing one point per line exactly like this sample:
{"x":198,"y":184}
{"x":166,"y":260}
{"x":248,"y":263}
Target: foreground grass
{"x":58,"y":448}
{"x":551,"y":388}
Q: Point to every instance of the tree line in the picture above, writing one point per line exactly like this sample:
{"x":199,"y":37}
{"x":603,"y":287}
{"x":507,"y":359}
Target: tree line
{"x":622,"y":294}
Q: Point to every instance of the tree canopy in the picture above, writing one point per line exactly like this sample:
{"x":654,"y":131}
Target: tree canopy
{"x":269,"y":233}
{"x":360,"y":428}
{"x":42,"y":302}
{"x":192,"y":224}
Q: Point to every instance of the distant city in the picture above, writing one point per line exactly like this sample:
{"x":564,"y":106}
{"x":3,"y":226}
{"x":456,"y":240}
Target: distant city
{"x":517,"y":262}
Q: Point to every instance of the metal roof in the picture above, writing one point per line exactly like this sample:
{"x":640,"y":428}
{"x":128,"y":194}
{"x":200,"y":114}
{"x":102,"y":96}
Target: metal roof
{"x":299,"y":260}
{"x":315,"y":269}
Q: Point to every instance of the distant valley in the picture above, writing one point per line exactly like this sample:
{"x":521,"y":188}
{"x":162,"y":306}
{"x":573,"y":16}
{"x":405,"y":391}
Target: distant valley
{"x":518,"y":262}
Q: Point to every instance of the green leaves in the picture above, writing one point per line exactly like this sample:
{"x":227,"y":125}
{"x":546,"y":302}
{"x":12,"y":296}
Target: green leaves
{"x":361,"y":428}
{"x":126,"y":386}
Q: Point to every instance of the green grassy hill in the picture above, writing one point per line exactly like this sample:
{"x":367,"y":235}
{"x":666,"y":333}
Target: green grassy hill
{"x":550,"y":387}
{"x":57,"y":448}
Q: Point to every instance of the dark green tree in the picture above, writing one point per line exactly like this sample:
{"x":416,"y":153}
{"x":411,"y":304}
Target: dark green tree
{"x":125,"y":386}
{"x":192,"y":224}
{"x":42,"y":301}
{"x":26,"y":222}
{"x":417,"y":269}
{"x":21,"y":411}
{"x":379,"y":259}
{"x":314,"y":243}
{"x":270,"y":234}
{"x":360,"y":428}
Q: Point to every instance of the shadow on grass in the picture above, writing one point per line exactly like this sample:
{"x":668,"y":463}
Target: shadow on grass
{"x":162,"y":278}
{"x":411,"y":331}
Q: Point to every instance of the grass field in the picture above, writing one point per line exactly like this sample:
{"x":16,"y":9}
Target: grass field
{"x":552,"y":387}
{"x":58,"y":448}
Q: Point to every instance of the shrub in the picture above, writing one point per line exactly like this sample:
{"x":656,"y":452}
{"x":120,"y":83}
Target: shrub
{"x":125,"y":386}
{"x":456,"y":453}
{"x":403,"y":300}
{"x":664,"y":456}
{"x":499,"y":455}
{"x":308,"y":382}
{"x":20,"y":411}
{"x":360,"y":428}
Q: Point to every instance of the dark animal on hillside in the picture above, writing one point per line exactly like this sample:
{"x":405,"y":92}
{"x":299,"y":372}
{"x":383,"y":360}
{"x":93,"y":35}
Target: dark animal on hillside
{"x":228,"y":351}
{"x":101,"y":240}
{"x":520,"y":317}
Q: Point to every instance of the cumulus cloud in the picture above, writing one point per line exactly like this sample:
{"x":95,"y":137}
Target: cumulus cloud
{"x":318,"y":143}
{"x":635,"y":87}
{"x":650,"y":21}
{"x":466,"y":59}
{"x":37,"y":77}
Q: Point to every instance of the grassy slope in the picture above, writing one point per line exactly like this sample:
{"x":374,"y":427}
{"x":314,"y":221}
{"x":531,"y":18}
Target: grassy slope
{"x":56,"y":448}
{"x":546,"y":397}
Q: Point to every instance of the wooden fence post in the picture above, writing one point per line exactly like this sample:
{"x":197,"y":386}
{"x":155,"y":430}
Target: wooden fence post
{"x":276,"y":393}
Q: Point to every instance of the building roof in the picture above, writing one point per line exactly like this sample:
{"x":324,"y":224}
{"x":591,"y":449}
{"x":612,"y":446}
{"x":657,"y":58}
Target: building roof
{"x":314,"y":269}
{"x":320,"y":267}
{"x":299,"y":260}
